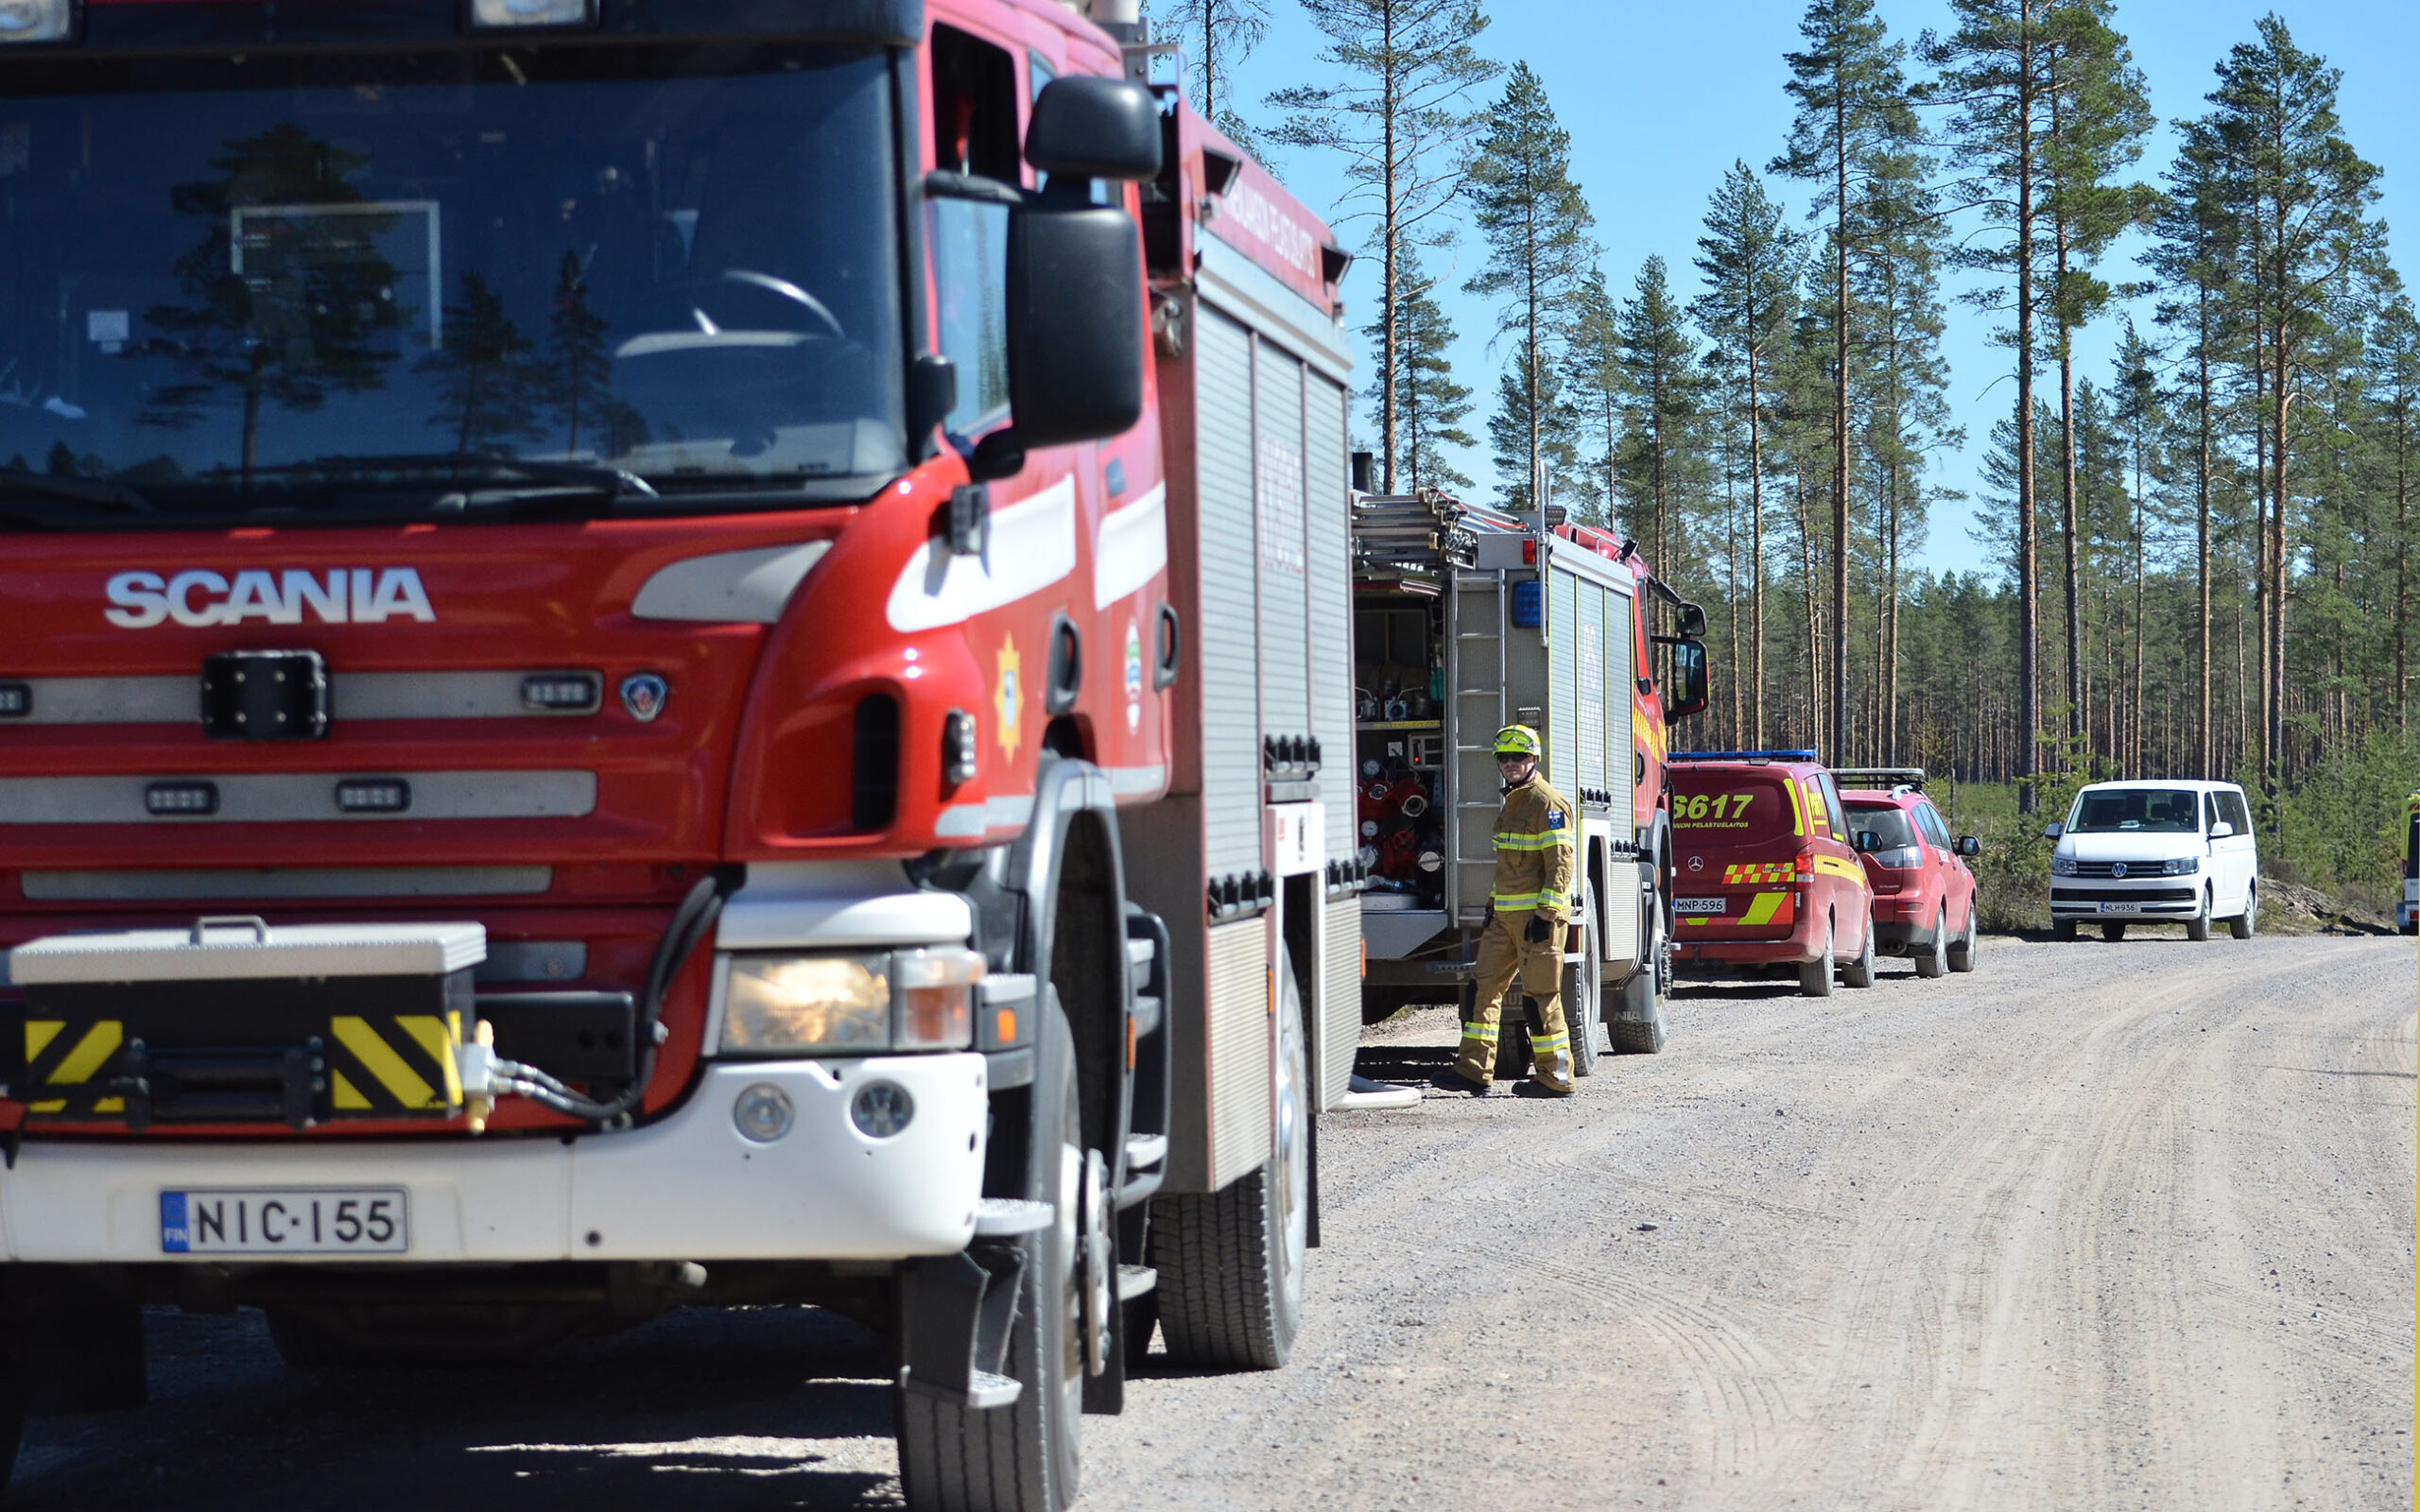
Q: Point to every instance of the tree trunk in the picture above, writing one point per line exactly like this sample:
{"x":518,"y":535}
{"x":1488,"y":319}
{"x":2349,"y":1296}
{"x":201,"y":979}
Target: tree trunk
{"x":2028,"y":587}
{"x":1841,"y":420}
{"x":2205,"y":757}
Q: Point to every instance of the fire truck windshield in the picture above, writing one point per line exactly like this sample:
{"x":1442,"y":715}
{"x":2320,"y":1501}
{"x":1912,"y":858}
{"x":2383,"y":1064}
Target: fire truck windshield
{"x":347,"y":287}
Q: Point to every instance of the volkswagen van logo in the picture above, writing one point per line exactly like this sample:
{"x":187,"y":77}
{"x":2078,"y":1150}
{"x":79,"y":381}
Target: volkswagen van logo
{"x":2118,"y":869}
{"x":643,"y":694}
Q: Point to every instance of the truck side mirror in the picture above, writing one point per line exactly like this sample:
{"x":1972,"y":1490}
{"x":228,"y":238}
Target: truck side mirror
{"x":1688,"y":680}
{"x":1074,"y":319}
{"x":1969,"y":845}
{"x":1086,"y":127}
{"x":2053,"y":830}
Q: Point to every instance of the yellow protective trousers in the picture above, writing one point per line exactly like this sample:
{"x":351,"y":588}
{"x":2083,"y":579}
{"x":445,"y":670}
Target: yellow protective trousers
{"x":1504,"y":958}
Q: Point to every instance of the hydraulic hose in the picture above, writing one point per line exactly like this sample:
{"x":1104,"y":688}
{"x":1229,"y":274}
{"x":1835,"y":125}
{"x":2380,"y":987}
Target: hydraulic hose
{"x":690,"y":922}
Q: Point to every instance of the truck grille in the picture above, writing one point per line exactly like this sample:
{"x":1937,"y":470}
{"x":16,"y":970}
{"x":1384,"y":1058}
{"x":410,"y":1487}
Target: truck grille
{"x":2121,"y":895}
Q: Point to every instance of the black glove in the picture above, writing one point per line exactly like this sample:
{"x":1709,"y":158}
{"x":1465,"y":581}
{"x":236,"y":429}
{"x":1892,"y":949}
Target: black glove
{"x":1540,"y":931}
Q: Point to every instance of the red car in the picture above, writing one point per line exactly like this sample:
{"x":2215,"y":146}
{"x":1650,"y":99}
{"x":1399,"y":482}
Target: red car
{"x":1764,"y":868}
{"x":1924,"y":895}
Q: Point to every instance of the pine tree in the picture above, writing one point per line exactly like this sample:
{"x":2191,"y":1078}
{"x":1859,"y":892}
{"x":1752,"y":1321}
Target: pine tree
{"x":1665,"y":385}
{"x":1403,"y":121}
{"x":2298,"y":195}
{"x":1996,"y":76}
{"x":1592,"y":377}
{"x":1854,"y":113}
{"x":1216,"y":37}
{"x":2099,"y":117}
{"x":1536,"y":223}
{"x":1532,"y":425}
{"x":1751,"y":262}
{"x":2393,"y":359}
{"x":1430,"y":404}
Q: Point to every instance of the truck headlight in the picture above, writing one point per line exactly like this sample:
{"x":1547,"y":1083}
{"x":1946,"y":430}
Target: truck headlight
{"x":2062,"y":865}
{"x":2181,"y":867}
{"x":849,"y":1005}
{"x":831,"y":1004}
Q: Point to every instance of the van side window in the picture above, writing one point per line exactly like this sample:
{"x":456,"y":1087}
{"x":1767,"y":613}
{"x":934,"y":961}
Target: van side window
{"x":1832,"y":807}
{"x":2233,"y":810}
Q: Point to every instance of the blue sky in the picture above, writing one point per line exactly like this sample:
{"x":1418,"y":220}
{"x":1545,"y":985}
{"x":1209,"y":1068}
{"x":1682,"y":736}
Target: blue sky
{"x":1661,"y":99}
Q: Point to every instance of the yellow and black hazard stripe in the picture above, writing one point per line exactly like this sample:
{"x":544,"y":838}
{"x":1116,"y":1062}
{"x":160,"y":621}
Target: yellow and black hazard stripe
{"x":377,"y":1066}
{"x":68,"y":1066}
{"x":393,"y":1063}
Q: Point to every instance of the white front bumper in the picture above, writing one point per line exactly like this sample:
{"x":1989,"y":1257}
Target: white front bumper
{"x":687,"y":1187}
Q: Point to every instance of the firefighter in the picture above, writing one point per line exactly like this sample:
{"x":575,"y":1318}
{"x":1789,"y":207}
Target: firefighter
{"x":1527,"y":913}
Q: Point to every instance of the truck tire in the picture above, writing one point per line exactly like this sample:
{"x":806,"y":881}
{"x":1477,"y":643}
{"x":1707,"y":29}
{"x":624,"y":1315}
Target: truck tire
{"x":1962,"y":950}
{"x":1815,"y":977}
{"x":1860,"y":972}
{"x":2198,"y":927}
{"x":1231,"y":1261}
{"x":1635,"y":1026}
{"x":1024,"y":1458}
{"x":2242,"y":924}
{"x":1933,"y":959}
{"x":1581,"y":986}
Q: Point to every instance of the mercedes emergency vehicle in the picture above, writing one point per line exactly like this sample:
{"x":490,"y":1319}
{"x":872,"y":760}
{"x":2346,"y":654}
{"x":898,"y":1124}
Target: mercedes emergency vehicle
{"x":1767,"y":869}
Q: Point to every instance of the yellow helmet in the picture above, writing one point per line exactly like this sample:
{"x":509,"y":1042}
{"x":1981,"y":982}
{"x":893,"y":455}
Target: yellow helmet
{"x":1516,"y":740}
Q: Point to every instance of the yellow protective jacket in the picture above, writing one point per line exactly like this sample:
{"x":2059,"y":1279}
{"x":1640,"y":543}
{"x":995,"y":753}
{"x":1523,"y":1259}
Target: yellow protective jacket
{"x":1535,"y":833}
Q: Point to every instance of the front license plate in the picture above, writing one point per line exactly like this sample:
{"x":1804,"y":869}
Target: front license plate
{"x":1701,"y":905}
{"x":285,"y":1221}
{"x":2117,"y":908}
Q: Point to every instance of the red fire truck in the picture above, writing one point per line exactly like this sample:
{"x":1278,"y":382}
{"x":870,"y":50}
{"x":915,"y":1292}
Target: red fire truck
{"x":663,"y":652}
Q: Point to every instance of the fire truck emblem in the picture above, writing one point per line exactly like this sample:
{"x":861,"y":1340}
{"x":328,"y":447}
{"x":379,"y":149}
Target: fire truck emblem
{"x":1133,"y":678}
{"x":643,"y":696}
{"x":1009,"y":700}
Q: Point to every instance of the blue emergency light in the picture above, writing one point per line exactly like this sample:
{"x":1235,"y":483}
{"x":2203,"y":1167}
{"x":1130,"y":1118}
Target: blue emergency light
{"x":1742,"y":756}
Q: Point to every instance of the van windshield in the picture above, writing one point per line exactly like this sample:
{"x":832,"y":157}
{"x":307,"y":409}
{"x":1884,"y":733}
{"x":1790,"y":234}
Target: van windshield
{"x":2126,"y":810}
{"x":1730,"y":807}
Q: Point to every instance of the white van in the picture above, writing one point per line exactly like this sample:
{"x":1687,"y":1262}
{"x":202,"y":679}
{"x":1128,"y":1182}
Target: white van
{"x":2156,"y":852}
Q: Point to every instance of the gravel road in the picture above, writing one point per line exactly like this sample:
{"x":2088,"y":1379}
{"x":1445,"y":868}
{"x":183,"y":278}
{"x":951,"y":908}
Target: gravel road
{"x":2101,"y":1226}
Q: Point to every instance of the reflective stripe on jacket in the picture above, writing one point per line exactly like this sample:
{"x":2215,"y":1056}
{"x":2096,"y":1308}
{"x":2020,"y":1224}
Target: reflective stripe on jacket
{"x":1535,"y":833}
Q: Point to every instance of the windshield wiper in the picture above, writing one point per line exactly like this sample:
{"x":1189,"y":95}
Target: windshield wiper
{"x":605,"y":482}
{"x":115,"y":496}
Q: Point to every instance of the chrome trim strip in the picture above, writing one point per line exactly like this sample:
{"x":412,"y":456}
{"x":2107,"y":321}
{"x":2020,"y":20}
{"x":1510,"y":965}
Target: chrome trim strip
{"x":177,"y":700}
{"x":286,"y":881}
{"x":257,"y":798}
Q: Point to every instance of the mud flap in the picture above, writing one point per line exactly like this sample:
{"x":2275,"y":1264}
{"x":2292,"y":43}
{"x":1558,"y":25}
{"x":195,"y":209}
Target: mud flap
{"x":955,"y":1313}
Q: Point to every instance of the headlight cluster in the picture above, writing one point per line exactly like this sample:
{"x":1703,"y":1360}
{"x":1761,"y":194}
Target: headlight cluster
{"x":2062,"y":865}
{"x":852,"y":1005}
{"x":2181,"y":867}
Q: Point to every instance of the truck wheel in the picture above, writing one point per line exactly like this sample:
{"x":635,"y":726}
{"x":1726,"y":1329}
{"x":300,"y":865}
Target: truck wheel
{"x":2063,"y":929}
{"x":1815,"y":977}
{"x":1860,"y":972}
{"x":2113,"y":930}
{"x":1961,"y":953}
{"x":1023,"y":1457}
{"x":1582,"y":985}
{"x":1933,"y":959}
{"x":1637,"y":1024}
{"x":2198,"y":927}
{"x":2242,"y":924}
{"x":1231,"y":1261}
